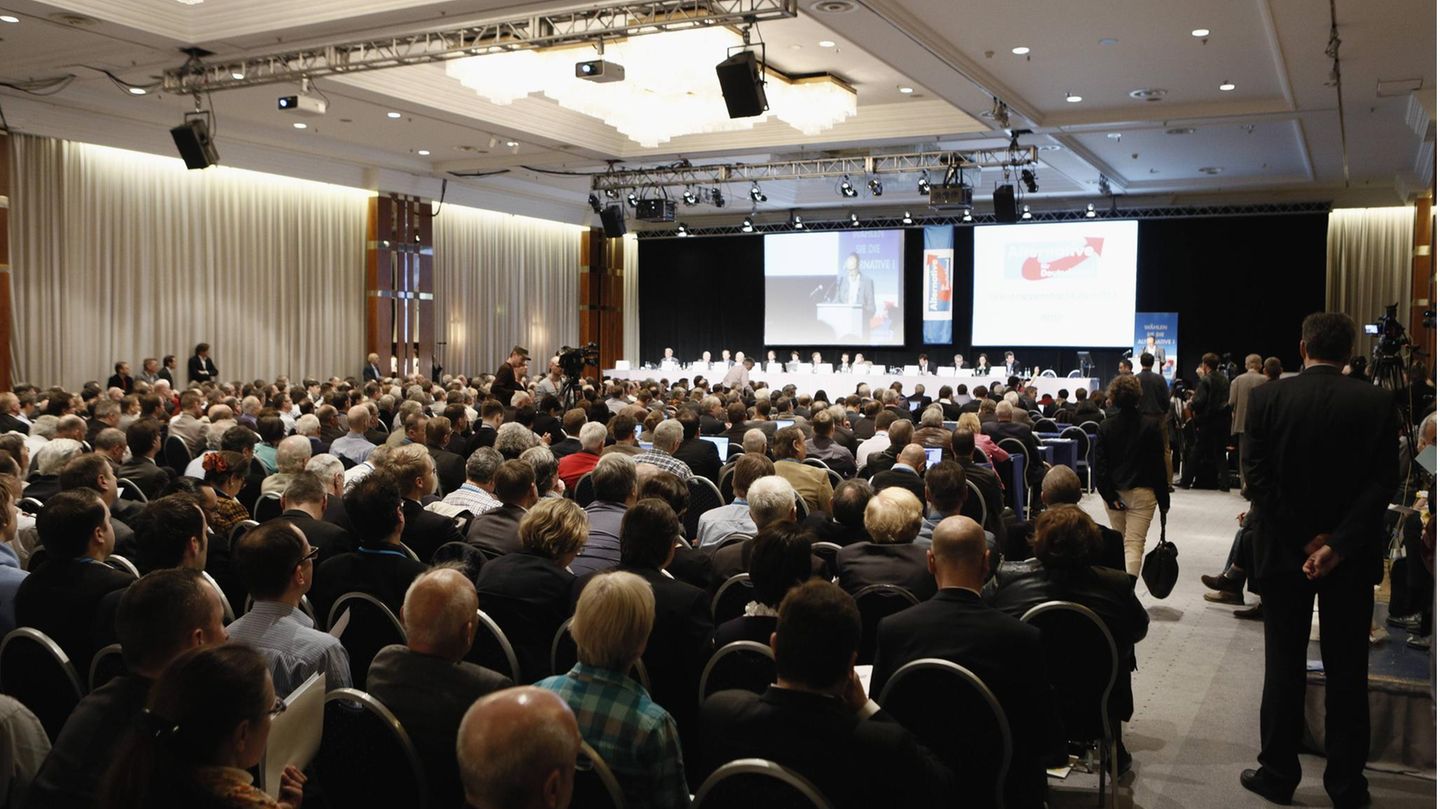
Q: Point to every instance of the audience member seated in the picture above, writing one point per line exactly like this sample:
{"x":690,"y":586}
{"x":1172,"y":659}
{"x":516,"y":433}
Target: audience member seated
{"x":187,"y":424}
{"x":303,"y":505}
{"x":755,"y":440}
{"x":61,"y":598}
{"x":225,"y":473}
{"x":899,"y":432}
{"x":11,"y":573}
{"x":514,"y":438}
{"x":780,"y":559}
{"x":906,"y":472}
{"x":667,"y":438}
{"x":49,"y":460}
{"x":354,"y":446}
{"x":1066,"y":543}
{"x":426,"y":682}
{"x":1061,"y":487}
{"x":160,"y":616}
{"x":689,"y":564}
{"x":622,"y":432}
{"x":578,"y":464}
{"x":826,"y":449}
{"x":291,"y":455}
{"x":633,"y":734}
{"x":1002,"y":651}
{"x":547,"y":471}
{"x":734,"y":518}
{"x":878,"y":436}
{"x":170,"y":533}
{"x":615,"y":486}
{"x":205,"y":723}
{"x":143,"y":438}
{"x":892,"y":518}
{"x":476,"y":494}
{"x":993,"y":453}
{"x":277,"y":565}
{"x":811,"y":482}
{"x":846,"y":525}
{"x":772,"y":500}
{"x":528,"y":592}
{"x":816,"y":719}
{"x":945,"y":496}
{"x":701,"y":456}
{"x":414,"y":472}
{"x":497,"y":531}
{"x":992,"y":491}
{"x":378,"y":567}
{"x":569,"y":441}
{"x":932,"y":433}
{"x":518,"y":749}
{"x":449,"y":467}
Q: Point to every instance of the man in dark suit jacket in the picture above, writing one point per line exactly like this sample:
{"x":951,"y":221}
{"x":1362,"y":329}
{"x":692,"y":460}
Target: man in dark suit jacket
{"x":121,"y":378}
{"x":570,"y":425}
{"x":497,"y":531}
{"x":1211,"y":408}
{"x":1002,"y":651}
{"x":449,"y":467}
{"x":371,"y":373}
{"x":1320,"y":532}
{"x":378,"y":566}
{"x":303,"y":503}
{"x":893,"y":520}
{"x":426,"y":683}
{"x":905,"y":472}
{"x":816,"y":720}
{"x":201,"y":368}
{"x":920,"y":398}
{"x":1004,"y":426}
{"x":143,"y":438}
{"x":845,"y":525}
{"x":506,"y":383}
{"x":702,"y":456}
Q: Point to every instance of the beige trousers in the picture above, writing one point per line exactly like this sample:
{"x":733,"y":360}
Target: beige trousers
{"x":1134,"y":523}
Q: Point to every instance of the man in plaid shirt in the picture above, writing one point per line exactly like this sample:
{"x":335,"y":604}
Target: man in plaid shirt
{"x":668,"y":435}
{"x":633,"y":735}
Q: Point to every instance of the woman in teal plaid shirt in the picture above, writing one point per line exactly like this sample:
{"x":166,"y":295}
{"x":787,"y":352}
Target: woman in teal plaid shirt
{"x":636,"y":737}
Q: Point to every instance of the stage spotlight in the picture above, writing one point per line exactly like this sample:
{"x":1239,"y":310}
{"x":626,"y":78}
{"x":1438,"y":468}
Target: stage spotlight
{"x":1090,"y":211}
{"x":681,"y":230}
{"x":847,"y":189}
{"x":922,"y":185}
{"x":716,"y":198}
{"x":1028,"y":178}
{"x":1026,"y":214}
{"x":689,"y":198}
{"x":796,"y":223}
{"x":854,"y":220}
{"x":967,"y":217}
{"x":756,"y":195}
{"x":631,"y":199}
{"x":907,"y":219}
{"x":748,"y":226}
{"x":611,"y":193}
{"x":595,"y":203}
{"x":876,"y":189}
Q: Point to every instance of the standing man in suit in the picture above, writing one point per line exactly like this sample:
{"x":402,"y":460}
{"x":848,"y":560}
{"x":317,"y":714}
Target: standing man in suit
{"x":372,"y":368}
{"x":1212,"y":423}
{"x":1155,"y":403}
{"x":1240,"y":388}
{"x":507,"y":377}
{"x":202,"y":368}
{"x":1002,"y":651}
{"x":1320,"y":534}
{"x":855,"y":289}
{"x":1154,"y":350}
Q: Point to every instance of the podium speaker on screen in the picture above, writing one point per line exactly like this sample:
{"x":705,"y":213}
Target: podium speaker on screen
{"x":854,"y":292}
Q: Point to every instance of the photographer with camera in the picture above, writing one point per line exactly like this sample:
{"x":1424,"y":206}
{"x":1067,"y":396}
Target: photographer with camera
{"x":507,"y":378}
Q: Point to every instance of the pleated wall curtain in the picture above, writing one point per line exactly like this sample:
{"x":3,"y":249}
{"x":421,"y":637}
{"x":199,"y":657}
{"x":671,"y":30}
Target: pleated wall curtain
{"x":1368,"y":261}
{"x":504,"y":280}
{"x":119,"y":255}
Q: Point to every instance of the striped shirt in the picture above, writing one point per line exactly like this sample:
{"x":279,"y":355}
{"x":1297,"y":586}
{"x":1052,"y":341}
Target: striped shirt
{"x":289,"y":642}
{"x":666,"y":461}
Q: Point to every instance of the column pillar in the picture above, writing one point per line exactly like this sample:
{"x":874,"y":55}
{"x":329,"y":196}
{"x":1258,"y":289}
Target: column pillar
{"x":602,"y":294}
{"x":399,"y":283}
{"x":1422,"y":275}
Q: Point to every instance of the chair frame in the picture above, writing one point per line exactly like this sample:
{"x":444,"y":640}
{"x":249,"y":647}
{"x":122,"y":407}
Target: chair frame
{"x":708,"y":484}
{"x":979,"y":497}
{"x":1083,"y":446}
{"x":227,"y":610}
{"x":832,"y":562}
{"x":166,"y":453}
{"x":53,"y":649}
{"x":505,"y":646}
{"x":119,"y":562}
{"x":638,"y":672}
{"x":130,"y":490}
{"x":762,"y":767}
{"x":248,"y":525}
{"x":100,"y":654}
{"x":261,"y":499}
{"x":734,"y":581}
{"x":378,"y":708}
{"x":356,"y":595}
{"x":581,"y":482}
{"x":974,"y":681}
{"x":1108,"y":764}
{"x":734,"y":647}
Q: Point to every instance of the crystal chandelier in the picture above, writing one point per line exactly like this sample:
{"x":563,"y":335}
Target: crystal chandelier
{"x":669,"y":89}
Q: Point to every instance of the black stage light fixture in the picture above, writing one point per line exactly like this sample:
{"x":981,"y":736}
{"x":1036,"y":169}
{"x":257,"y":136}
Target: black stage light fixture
{"x":756,"y":195}
{"x":742,"y":83}
{"x":611,"y":193}
{"x":631,"y":199}
{"x":876,"y":188}
{"x":681,"y":230}
{"x":594,"y":202}
{"x":796,"y":223}
{"x":689,"y":198}
{"x":854,"y":220}
{"x":847,"y":189}
{"x":1028,"y":178}
{"x":716,"y":198}
{"x":908,"y":219}
{"x":922,"y":185}
{"x":747,"y":226}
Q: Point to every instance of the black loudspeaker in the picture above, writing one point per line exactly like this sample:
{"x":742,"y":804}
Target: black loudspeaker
{"x":742,"y":85}
{"x":1004,"y":200}
{"x":613,"y":220}
{"x":192,"y":138}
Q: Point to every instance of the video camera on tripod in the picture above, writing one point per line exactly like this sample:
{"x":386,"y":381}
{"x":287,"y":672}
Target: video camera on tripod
{"x":1390,"y":331}
{"x":573,"y":360}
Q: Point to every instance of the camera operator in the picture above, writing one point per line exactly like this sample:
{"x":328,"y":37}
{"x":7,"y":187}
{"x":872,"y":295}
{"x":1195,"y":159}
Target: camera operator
{"x":553,"y":383}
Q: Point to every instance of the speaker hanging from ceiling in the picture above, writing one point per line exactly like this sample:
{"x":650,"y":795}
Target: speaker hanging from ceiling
{"x":743,"y":85}
{"x":192,"y":140}
{"x":612,"y":218}
{"x":1004,"y":200}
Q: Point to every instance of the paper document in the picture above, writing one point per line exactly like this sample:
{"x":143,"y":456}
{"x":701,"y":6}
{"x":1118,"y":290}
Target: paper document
{"x":343,"y":621}
{"x":294,"y":733}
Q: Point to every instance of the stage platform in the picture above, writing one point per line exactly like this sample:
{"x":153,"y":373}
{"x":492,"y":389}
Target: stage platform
{"x":836,"y":383}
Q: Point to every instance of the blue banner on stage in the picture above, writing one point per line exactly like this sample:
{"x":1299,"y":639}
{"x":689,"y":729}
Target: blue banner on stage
{"x":1159,"y":334}
{"x":939,"y":285}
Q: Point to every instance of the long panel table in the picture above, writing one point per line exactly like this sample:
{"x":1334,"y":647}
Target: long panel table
{"x":837,"y":383}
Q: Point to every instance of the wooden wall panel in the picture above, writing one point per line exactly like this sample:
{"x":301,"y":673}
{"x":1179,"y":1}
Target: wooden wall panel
{"x":400,"y":278}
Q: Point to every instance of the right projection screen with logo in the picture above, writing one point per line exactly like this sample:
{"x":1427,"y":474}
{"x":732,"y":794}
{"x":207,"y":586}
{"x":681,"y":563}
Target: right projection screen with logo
{"x":1055,"y":284}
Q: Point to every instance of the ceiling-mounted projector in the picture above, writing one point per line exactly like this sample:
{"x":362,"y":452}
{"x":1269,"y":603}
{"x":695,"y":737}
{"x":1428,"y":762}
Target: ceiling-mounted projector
{"x":302,"y":104}
{"x":946,"y":197}
{"x":599,"y":71}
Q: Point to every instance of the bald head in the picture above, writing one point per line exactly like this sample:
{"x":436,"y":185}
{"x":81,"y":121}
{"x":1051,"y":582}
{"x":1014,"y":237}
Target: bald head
{"x":439,"y":614}
{"x":755,"y":441}
{"x":292,"y":454}
{"x":912,"y":456}
{"x":517,"y":750}
{"x":958,"y":555}
{"x":1061,"y":486}
{"x":358,"y":418}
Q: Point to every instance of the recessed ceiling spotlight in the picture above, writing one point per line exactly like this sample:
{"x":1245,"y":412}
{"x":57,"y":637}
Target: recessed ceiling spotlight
{"x":300,"y":125}
{"x":1227,"y":86}
{"x":237,"y":73}
{"x":1149,"y":93}
{"x":1073,"y":98}
{"x":1114,"y":135}
{"x":136,"y":91}
{"x":1109,"y":41}
{"x":1200,"y":33}
{"x":904,"y":90}
{"x":392,"y":115}
{"x":10,"y":18}
{"x":512,"y":144}
{"x":1181,"y":130}
{"x":826,"y":43}
{"x":423,"y":152}
{"x":1020,"y":50}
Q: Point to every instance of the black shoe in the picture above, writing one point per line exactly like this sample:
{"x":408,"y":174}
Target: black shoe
{"x":1256,"y":782}
{"x":1356,"y":803}
{"x":1418,"y":642}
{"x":1223,"y":583}
{"x":1409,"y":623}
{"x":1123,"y":762}
{"x":1225,"y":597}
{"x":1254,"y":613}
{"x":1185,"y":485}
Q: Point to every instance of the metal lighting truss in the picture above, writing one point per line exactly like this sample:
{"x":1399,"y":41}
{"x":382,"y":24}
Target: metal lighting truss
{"x":859,"y":167}
{"x":587,"y":24}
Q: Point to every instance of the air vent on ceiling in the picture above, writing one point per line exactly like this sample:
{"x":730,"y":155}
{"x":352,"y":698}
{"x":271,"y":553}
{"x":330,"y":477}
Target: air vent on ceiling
{"x":1148,"y":93}
{"x":78,"y":20}
{"x":1181,"y":130}
{"x":832,"y":6}
{"x":1211,"y":170}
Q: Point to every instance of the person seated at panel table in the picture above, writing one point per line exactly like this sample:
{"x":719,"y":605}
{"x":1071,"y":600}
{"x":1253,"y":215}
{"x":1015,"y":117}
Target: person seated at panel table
{"x":923,"y":363}
{"x":861,"y":365}
{"x":770,"y":357}
{"x":844,"y":366}
{"x":793,"y":364}
{"x":1012,"y":368}
{"x":958,"y":364}
{"x":725,"y":357}
{"x":669,"y":358}
{"x":982,"y":366}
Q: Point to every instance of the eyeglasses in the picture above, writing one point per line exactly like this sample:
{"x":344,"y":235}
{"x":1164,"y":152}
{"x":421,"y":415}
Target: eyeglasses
{"x":314,"y":552}
{"x":278,"y":708}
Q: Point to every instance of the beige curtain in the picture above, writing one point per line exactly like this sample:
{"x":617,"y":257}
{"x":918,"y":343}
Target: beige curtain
{"x":119,"y":255}
{"x":1367,"y":261}
{"x":500,"y":281}
{"x":631,"y":300}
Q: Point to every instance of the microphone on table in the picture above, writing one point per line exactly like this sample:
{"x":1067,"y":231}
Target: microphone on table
{"x":817,"y":288}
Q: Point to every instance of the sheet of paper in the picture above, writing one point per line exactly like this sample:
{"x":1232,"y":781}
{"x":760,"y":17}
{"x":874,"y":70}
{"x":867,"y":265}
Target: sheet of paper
{"x":864,"y":672}
{"x":340,"y":623}
{"x":294,"y":733}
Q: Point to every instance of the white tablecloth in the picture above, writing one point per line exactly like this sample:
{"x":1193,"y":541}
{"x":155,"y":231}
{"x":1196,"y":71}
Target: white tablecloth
{"x":834,"y":384}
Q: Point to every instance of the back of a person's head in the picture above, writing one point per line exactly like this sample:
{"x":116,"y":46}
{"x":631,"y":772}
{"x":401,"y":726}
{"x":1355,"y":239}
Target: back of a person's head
{"x":1328,"y":336}
{"x":785,"y":441}
{"x":1125,"y":392}
{"x":513,"y":481}
{"x":1066,"y":537}
{"x":238,"y":439}
{"x":84,"y":470}
{"x":848,"y":504}
{"x":1273,"y":367}
{"x":165,"y":613}
{"x":68,"y":522}
{"x":305,"y":488}
{"x":373,"y":505}
{"x":482,"y":465}
{"x":755,"y":441}
{"x":270,"y":428}
{"x":945,"y":486}
{"x":613,"y":618}
{"x":591,"y":435}
{"x":893,"y":516}
{"x":779,"y":560}
{"x":514,"y":745}
{"x":817,"y":635}
{"x":647,"y":533}
{"x":614,"y":478}
{"x":771,"y":499}
{"x":439,"y":606}
{"x":1061,"y":486}
{"x":900,"y":432}
{"x":267,"y":556}
{"x":408,"y":464}
{"x":292,"y":454}
{"x":437,"y":431}
{"x":554,"y":528}
{"x":750,"y":467}
{"x":52,"y":457}
{"x":959,"y":542}
{"x":668,"y":434}
{"x":673,"y":491}
{"x":164,"y":531}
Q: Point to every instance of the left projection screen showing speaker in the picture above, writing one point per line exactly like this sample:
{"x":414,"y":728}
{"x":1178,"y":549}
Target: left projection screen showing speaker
{"x":837,"y":288}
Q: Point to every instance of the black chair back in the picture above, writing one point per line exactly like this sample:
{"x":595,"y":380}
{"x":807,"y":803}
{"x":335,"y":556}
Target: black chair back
{"x":122,"y":564}
{"x":240,"y":529}
{"x":585,"y":490}
{"x":30,"y":505}
{"x":595,"y":785}
{"x":829,"y":553}
{"x":974,"y":506}
{"x":470,"y":557}
{"x":267,"y":507}
{"x":106,"y":665}
{"x":878,"y":601}
{"x":177,"y":454}
{"x":492,"y":649}
{"x":1091,"y":427}
{"x":227,"y":610}
{"x":753,"y":783}
{"x":1015,"y":446}
{"x":933,"y":698}
{"x":744,"y":664}
{"x":1082,"y":662}
{"x":372,"y":627}
{"x":1045,"y":425}
{"x":366,"y":758}
{"x":704,"y":496}
{"x":730,"y":600}
{"x":38,"y":673}
{"x":727,"y":482}
{"x":564,"y":655}
{"x":130,"y":490}
{"x":802,"y":509}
